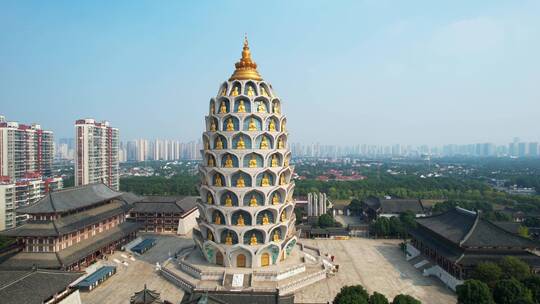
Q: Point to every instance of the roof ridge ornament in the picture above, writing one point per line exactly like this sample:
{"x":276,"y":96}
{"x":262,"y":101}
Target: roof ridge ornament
{"x":246,"y":68}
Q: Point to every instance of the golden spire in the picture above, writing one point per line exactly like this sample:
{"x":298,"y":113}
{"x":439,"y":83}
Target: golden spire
{"x":245,"y":68}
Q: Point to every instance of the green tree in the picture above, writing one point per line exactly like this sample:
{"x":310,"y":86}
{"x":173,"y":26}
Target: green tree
{"x":352,"y":295}
{"x":377,"y":298}
{"x":523,"y":231}
{"x":511,"y":291}
{"x":408,"y":219}
{"x":381,"y":227}
{"x":513,"y":267}
{"x":326,"y":221}
{"x":488,"y":273}
{"x":474,"y":292}
{"x":533,"y":284}
{"x":405,"y":299}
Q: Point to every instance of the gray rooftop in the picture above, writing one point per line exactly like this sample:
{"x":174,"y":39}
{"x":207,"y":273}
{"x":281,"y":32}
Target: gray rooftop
{"x":71,"y":199}
{"x":166,"y":204}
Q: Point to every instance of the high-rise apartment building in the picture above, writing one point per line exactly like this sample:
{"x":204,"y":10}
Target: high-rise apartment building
{"x":25,"y":149}
{"x":96,"y":153}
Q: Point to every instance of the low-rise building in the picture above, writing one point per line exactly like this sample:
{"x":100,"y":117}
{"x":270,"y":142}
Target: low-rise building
{"x":374,"y":207}
{"x":69,"y":229}
{"x":166,"y":214}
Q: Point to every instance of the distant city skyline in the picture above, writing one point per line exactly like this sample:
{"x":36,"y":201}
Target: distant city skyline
{"x":377,"y":71}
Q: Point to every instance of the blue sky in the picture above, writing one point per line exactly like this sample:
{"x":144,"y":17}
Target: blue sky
{"x":375,"y":71}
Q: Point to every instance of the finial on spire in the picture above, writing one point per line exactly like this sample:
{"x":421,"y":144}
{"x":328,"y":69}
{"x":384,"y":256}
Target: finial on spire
{"x":246,"y":68}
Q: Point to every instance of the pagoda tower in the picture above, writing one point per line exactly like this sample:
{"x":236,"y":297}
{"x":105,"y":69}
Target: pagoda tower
{"x":246,"y":206}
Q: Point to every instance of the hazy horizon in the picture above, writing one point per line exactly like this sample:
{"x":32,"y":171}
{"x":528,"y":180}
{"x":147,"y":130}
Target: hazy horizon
{"x":348,"y":72}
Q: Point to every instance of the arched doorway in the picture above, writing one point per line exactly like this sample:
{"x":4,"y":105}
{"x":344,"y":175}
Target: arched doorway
{"x":219,"y":258}
{"x":240,"y":260}
{"x":265,"y":259}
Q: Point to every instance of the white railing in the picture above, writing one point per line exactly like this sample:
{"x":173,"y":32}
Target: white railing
{"x":412,"y":252}
{"x":444,"y":276}
{"x":302,"y":282}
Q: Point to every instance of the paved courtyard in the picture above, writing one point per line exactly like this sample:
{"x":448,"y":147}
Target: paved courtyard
{"x":378,"y":265}
{"x":132,"y":278}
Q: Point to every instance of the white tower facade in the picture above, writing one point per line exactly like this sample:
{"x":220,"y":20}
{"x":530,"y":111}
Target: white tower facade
{"x":246,"y":207}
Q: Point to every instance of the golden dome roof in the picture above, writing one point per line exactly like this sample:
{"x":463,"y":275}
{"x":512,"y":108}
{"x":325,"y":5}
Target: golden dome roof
{"x":246,"y":68}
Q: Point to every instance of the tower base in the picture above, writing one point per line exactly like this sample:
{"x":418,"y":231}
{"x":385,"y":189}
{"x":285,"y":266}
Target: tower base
{"x":190,"y":271}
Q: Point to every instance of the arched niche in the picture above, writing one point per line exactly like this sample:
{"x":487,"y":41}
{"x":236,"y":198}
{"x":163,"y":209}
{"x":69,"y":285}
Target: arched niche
{"x":212,"y":107}
{"x":223,"y":89}
{"x":228,"y":237}
{"x":287,"y":160}
{"x":265,"y":215}
{"x":277,"y":197}
{"x":228,"y":199}
{"x":252,"y":123}
{"x":210,"y":160}
{"x":210,"y":235}
{"x":213,"y":125}
{"x":275,"y":160}
{"x":217,"y":145}
{"x":264,"y":142}
{"x":218,"y":218}
{"x":229,"y":160}
{"x":280,"y":231}
{"x":283,"y":125}
{"x":236,"y":89}
{"x":276,"y":106}
{"x":266,"y":179}
{"x":281,"y":142}
{"x":241,"y":257}
{"x":250,"y":89}
{"x":241,"y":179}
{"x":206,"y":142}
{"x":241,"y":141}
{"x":240,"y":215}
{"x":261,"y":105}
{"x":253,"y":160}
{"x":242,"y":105}
{"x":290,"y":246}
{"x":265,"y":90}
{"x":223,"y":105}
{"x":272,"y":124}
{"x":253,"y":198}
{"x":218,"y":180}
{"x":251,"y":235}
{"x":230,"y":123}
{"x":272,"y":250}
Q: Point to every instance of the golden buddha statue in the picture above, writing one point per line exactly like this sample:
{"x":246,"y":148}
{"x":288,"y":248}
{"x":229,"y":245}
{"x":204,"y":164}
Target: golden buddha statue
{"x":217,"y":219}
{"x":280,"y":144}
{"x":241,"y":107}
{"x":284,"y":126}
{"x":240,"y":144}
{"x":235,"y":92}
{"x":210,"y":236}
{"x":252,"y":126}
{"x":211,"y":162}
{"x":276,"y":236}
{"x":275,"y":199}
{"x":240,"y":183}
{"x":218,"y":181}
{"x":274,"y":162}
{"x":253,"y":240}
{"x":253,"y":201}
{"x":212,"y":108}
{"x":263,"y":92}
{"x":206,"y":145}
{"x":283,"y":216}
{"x":276,"y":108}
{"x":253,"y":161}
{"x":228,"y":239}
{"x":209,"y":199}
{"x":228,"y":201}
{"x":265,"y":182}
{"x":222,"y":108}
{"x":265,"y":219}
{"x":250,"y":91}
{"x":240,"y":221}
{"x":282,"y":180}
{"x":261,"y":108}
{"x":228,"y":162}
{"x":272,"y":126}
{"x":286,"y":163}
{"x":219,"y":144}
{"x":213,"y":126}
{"x":223,"y":92}
{"x":230,"y":125}
{"x":264,"y":143}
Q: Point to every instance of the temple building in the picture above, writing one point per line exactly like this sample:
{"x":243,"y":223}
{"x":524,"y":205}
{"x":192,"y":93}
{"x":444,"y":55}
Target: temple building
{"x":450,"y":245}
{"x":69,"y":229}
{"x":246,"y":207}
